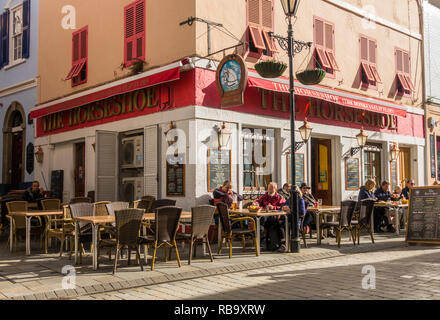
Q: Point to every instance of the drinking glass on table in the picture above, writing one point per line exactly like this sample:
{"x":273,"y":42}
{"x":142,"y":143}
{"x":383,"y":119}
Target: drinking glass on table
{"x":319,"y":202}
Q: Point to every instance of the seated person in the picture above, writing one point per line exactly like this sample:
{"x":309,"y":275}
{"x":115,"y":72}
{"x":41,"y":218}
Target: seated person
{"x":398,"y":192}
{"x":367,"y":192}
{"x":307,"y":196}
{"x":271,"y":199}
{"x":285,"y":192}
{"x":225,"y":194}
{"x":405,"y":192}
{"x":34,"y":193}
{"x":380,"y":219}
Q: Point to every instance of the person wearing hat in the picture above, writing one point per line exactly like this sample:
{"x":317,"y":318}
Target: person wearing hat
{"x":308,"y":197}
{"x":285,"y":192}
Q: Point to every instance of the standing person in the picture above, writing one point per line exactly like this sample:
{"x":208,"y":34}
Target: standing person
{"x":382,"y":194}
{"x":34,"y":193}
{"x":271,"y":199}
{"x":225,"y":194}
{"x":409,"y":184}
{"x":285,"y":192}
{"x":308,"y":197}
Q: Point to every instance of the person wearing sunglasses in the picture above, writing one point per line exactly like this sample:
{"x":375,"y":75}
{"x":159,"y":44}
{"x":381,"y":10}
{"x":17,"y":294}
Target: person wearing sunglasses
{"x":409,"y":184}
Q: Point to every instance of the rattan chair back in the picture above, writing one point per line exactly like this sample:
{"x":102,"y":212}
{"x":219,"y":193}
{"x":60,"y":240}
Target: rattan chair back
{"x":50,"y":204}
{"x":223,"y":211}
{"x":162,"y":203}
{"x":128,"y":223}
{"x":114,"y":206}
{"x":201,"y":220}
{"x":14,"y":206}
{"x":366,"y":211}
{"x":81,"y":209}
{"x":80,"y":200}
{"x":347,"y":210}
{"x":100,"y":208}
{"x":167,"y":222}
{"x":146,"y":204}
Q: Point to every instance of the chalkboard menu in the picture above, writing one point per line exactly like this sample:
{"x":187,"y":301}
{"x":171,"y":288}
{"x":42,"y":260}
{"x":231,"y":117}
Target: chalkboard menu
{"x":393,"y":172}
{"x":299,"y":168}
{"x":176,"y":176}
{"x":219,"y":168}
{"x":352,"y":180}
{"x":423,"y":224}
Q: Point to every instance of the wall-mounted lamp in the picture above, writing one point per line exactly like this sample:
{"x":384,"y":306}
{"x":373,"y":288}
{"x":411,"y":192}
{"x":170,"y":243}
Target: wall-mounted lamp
{"x":306,"y":131}
{"x":224,"y":136}
{"x":362,"y":141}
{"x":394,"y":152}
{"x":39,"y":154}
{"x":174,"y":140}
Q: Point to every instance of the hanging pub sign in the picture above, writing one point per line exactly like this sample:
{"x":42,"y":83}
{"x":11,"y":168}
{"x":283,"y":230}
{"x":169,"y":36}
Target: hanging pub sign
{"x":231,"y":78}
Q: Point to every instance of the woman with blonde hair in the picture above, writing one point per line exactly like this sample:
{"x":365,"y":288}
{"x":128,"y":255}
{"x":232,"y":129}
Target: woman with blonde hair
{"x":367,"y":191}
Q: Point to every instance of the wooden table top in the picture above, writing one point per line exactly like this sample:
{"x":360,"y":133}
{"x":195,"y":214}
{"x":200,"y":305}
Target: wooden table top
{"x":329,"y":209}
{"x":391,"y":205}
{"x":34,"y":213}
{"x":110,"y":219}
{"x":261,"y":213}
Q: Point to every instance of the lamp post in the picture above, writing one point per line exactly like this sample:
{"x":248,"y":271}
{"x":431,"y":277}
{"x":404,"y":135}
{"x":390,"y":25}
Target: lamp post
{"x":306,"y":131}
{"x":292,"y":46}
{"x":394,"y":152}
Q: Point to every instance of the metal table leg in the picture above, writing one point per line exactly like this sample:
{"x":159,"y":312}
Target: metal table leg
{"x":76,"y":243}
{"x":318,"y":226}
{"x":28,"y":235}
{"x":289,"y":248}
{"x":95,"y":246}
{"x":11,"y":236}
{"x":397,"y":218}
{"x":219,"y":231}
{"x":257,"y":220}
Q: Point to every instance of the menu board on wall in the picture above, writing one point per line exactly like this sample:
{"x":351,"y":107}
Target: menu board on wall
{"x":219,"y":168}
{"x":299,"y":168}
{"x":393,"y":173}
{"x":176,"y":176}
{"x":423,"y":224}
{"x":352,"y":180}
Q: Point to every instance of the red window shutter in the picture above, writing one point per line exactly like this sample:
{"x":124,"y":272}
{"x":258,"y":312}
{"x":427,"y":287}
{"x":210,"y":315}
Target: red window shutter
{"x":75,"y":47}
{"x":375,"y":73}
{"x":319,"y":33}
{"x":402,"y":80}
{"x":323,"y":57}
{"x":270,"y":42}
{"x":83,"y":44}
{"x":140,"y":30}
{"x":332,"y":60}
{"x":76,"y":69}
{"x":364,"y":49}
{"x":368,"y":72}
{"x":372,"y":51}
{"x":405,"y":59}
{"x":329,"y":36}
{"x":399,"y":61}
{"x":129,"y":27}
{"x":257,"y":37}
{"x":267,"y":14}
{"x":254,"y":12}
{"x":410,"y":83}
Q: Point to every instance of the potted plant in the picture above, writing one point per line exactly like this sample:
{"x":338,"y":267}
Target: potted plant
{"x":270,"y":68}
{"x":311,"y":76}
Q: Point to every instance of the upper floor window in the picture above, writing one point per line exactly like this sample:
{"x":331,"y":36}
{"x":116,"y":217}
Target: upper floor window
{"x":368,"y":50}
{"x":134,"y":28}
{"x":403,"y":69}
{"x":78,"y":72}
{"x":15,"y":34}
{"x":324,"y":46}
{"x":260,"y":23}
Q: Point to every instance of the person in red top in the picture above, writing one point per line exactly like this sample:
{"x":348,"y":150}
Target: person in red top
{"x":271,"y":199}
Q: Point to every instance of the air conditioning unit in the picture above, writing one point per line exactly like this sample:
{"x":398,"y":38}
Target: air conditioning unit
{"x":133,"y":152}
{"x":132,"y":189}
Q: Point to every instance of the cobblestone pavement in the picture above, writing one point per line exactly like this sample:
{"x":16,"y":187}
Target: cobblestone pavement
{"x":400,"y":273}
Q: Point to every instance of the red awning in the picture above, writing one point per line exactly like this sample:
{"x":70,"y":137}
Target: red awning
{"x":106,"y":91}
{"x":334,"y":97}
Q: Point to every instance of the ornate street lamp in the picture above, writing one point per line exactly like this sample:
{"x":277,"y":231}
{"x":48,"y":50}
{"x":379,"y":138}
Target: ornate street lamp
{"x":224,"y":136}
{"x":306,"y":131}
{"x":394,"y":152}
{"x":290,"y":7}
{"x":362,"y":141}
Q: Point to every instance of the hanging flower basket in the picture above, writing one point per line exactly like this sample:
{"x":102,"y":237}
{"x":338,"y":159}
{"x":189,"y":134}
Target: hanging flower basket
{"x":311,"y":77}
{"x":270,"y":68}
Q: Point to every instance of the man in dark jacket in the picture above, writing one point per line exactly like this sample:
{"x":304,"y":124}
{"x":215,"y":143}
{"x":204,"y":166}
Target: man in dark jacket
{"x":309,"y":199}
{"x":34,"y":193}
{"x":382,"y":194}
{"x":405,"y":191}
{"x":225,"y":194}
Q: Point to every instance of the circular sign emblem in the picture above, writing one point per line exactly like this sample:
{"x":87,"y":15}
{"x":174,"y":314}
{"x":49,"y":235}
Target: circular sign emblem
{"x":230,"y":76}
{"x":231,"y":80}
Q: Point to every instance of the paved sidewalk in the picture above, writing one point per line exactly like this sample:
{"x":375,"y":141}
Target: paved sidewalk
{"x":41,"y":276}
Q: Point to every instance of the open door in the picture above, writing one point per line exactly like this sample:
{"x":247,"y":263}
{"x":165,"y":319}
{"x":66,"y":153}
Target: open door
{"x":322,"y":170}
{"x":151,"y":162}
{"x":107,"y":166}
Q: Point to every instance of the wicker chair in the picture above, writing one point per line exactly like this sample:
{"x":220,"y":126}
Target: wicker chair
{"x":162,"y":203}
{"x":365,"y":214}
{"x":128,"y":223}
{"x":228,"y":234}
{"x":200,"y":222}
{"x":146,"y":203}
{"x":19,"y":223}
{"x":80,"y":200}
{"x":166,"y":224}
{"x":82,"y":209}
{"x":344,"y":223}
{"x":100,"y":208}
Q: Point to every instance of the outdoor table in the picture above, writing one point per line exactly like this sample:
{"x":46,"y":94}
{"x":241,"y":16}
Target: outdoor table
{"x":396,"y":208}
{"x":28,"y":216}
{"x":257,"y":216}
{"x":96,"y":221}
{"x":320,"y":211}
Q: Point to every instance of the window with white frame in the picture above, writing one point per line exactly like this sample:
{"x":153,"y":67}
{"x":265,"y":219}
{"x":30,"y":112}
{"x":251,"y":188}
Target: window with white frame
{"x":16,"y":44}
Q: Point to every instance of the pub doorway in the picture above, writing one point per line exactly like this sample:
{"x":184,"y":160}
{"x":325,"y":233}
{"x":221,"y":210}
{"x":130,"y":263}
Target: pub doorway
{"x":404,"y":165}
{"x":321,"y":170}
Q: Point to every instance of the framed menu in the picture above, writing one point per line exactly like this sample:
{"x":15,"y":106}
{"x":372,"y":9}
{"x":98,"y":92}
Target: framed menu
{"x":175,"y":176}
{"x":423,"y":223}
{"x":393,"y":174}
{"x":299,"y":168}
{"x":352,"y":176}
{"x":219,"y":168}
